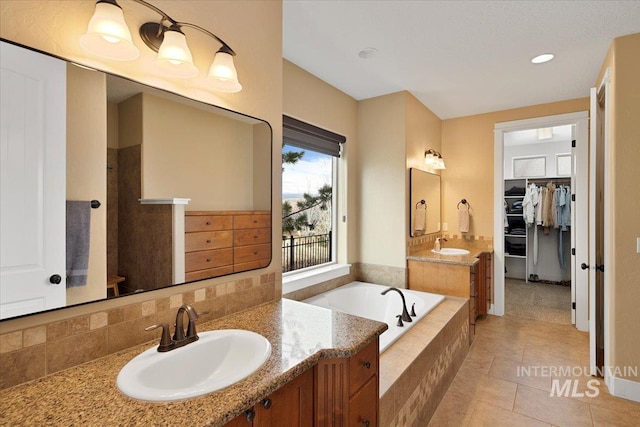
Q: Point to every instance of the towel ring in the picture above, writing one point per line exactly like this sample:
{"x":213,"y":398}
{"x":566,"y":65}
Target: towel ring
{"x":421,"y":202}
{"x":464,"y":202}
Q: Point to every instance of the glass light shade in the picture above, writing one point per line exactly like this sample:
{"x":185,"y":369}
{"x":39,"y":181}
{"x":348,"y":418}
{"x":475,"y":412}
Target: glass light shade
{"x":108,"y":35}
{"x":440,"y":164}
{"x":224,"y":74}
{"x":174,"y":56}
{"x":430,"y":159}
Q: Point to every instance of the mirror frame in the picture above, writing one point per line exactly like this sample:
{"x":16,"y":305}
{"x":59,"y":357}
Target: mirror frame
{"x":226,"y":112}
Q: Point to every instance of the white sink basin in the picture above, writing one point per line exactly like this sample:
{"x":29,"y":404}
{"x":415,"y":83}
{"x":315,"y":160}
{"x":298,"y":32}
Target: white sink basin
{"x":217,"y":360}
{"x":451,"y":251}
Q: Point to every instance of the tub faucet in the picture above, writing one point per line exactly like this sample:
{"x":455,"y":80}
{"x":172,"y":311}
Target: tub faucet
{"x":405,"y":313}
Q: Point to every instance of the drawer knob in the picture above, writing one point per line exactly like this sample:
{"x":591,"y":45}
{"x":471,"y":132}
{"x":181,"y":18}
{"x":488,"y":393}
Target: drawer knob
{"x":366,"y":364}
{"x":209,"y":241}
{"x":208,"y":259}
{"x":208,"y":223}
{"x":366,"y":422}
{"x":266,"y":403}
{"x":250,"y":414}
{"x":255,"y":253}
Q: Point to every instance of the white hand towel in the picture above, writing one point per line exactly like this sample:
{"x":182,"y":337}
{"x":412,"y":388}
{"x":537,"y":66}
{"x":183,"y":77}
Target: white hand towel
{"x":463,"y":218}
{"x":420,"y":219}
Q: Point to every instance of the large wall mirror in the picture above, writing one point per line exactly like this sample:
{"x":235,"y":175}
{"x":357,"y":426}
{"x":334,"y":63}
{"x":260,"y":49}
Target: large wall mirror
{"x":424,"y":204}
{"x":137,"y":187}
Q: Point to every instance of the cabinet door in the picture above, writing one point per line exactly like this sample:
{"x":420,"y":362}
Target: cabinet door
{"x":363,"y":405}
{"x":290,"y":406}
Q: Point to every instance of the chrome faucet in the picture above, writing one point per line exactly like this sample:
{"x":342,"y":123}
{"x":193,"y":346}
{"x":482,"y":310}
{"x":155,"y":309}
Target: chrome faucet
{"x":179,"y":339}
{"x":405,"y":313}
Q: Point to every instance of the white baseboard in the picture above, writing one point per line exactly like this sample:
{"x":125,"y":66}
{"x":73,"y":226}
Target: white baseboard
{"x":626,"y":389}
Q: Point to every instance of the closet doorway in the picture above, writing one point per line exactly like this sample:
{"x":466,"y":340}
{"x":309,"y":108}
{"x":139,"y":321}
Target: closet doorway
{"x":540,"y":275}
{"x":537,"y":223}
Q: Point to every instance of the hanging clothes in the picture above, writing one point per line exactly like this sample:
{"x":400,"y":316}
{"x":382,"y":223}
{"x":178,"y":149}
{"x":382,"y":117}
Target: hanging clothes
{"x":528,"y":204}
{"x":564,"y":220}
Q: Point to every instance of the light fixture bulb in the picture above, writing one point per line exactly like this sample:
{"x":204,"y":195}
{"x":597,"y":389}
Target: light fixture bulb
{"x":545,"y":57}
{"x":108,"y":35}
{"x":224,"y":74}
{"x":430,"y":158}
{"x":174,"y":56}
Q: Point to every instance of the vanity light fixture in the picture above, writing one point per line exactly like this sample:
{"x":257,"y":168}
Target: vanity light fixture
{"x":434,"y":160}
{"x":108,"y":36}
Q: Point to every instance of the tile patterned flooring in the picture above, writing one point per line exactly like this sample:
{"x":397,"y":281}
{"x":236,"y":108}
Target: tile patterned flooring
{"x":488,"y":390}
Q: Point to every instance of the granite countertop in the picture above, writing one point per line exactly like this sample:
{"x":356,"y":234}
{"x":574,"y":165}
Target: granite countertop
{"x":475,"y":248}
{"x":300,"y":335}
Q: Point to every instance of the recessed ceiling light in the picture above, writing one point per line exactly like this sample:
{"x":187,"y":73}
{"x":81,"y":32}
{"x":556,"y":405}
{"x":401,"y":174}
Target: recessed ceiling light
{"x":367,"y":52}
{"x":545,"y":57}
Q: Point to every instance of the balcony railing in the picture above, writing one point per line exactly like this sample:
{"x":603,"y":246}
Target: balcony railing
{"x":307,"y":251}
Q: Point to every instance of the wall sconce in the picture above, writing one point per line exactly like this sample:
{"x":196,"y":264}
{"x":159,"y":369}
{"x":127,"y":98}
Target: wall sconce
{"x":433,"y":160}
{"x":108,"y":36}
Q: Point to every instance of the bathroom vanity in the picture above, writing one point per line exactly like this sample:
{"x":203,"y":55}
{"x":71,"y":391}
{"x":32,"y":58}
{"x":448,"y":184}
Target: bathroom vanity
{"x":467,"y":276}
{"x":319,"y":359}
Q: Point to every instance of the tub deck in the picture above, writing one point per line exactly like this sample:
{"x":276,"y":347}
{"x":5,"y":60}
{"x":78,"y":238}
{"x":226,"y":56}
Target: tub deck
{"x":416,"y":371}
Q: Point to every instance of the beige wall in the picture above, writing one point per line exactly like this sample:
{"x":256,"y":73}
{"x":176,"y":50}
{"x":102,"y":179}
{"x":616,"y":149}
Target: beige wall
{"x":253,"y":29}
{"x":87,"y":171}
{"x":382,"y":174}
{"x":309,"y":99}
{"x":191,"y":153}
{"x":467,"y":148}
{"x":623,"y":262}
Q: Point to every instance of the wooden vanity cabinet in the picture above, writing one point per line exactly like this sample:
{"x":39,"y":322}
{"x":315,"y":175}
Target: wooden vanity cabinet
{"x":347,"y":389}
{"x":289,"y":406}
{"x":459,"y":280}
{"x":340,"y":392}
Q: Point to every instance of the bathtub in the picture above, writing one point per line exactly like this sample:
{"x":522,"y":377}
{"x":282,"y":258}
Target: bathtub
{"x":364,"y":300}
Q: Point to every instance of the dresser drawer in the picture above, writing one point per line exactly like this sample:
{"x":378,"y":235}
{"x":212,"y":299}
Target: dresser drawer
{"x":205,"y":240}
{"x":251,"y":253}
{"x":207,"y":223}
{"x":251,"y":221}
{"x":208,"y":273}
{"x":203,"y":260}
{"x":363,"y":406}
{"x":245,"y":266}
{"x":251,"y":236}
{"x":363,"y":365}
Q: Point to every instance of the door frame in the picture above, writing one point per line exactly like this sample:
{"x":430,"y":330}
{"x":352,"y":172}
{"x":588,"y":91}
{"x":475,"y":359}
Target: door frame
{"x":603,"y":85}
{"x":580,"y":119}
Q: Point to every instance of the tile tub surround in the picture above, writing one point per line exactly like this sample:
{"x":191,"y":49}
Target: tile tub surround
{"x":381,"y":274}
{"x":300,"y":335}
{"x":33,"y":351}
{"x":416,"y":371}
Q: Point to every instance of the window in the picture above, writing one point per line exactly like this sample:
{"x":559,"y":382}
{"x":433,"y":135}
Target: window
{"x":309,"y":178}
{"x":528,"y":167}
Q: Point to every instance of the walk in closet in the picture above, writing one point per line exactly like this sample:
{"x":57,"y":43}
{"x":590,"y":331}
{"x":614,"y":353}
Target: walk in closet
{"x":537,"y":221}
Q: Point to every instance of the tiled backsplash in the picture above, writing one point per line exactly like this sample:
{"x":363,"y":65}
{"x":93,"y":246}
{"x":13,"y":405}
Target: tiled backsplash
{"x":34,"y":352}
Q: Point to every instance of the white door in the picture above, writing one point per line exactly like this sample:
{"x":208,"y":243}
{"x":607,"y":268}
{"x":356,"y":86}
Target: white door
{"x":33,"y":165}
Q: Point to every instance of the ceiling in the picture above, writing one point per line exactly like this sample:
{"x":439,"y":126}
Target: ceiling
{"x":458,"y":58}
